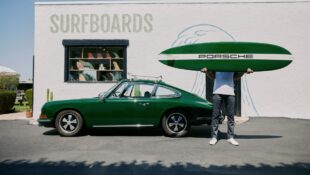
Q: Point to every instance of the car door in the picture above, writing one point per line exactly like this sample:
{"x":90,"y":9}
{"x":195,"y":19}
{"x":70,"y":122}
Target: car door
{"x":150,"y":102}
{"x":131,"y":104}
{"x":145,"y":106}
{"x":163,"y":99}
{"x":115,"y":109}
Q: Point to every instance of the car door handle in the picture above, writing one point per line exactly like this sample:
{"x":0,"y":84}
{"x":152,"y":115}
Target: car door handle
{"x":144,"y":104}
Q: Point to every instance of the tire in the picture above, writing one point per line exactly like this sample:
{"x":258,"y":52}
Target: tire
{"x":175,"y":124}
{"x":69,"y":123}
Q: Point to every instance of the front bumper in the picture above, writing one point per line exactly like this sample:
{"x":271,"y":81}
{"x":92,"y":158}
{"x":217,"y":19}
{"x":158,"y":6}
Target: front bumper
{"x":46,"y":122}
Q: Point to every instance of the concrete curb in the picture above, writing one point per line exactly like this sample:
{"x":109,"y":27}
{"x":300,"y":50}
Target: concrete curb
{"x":18,"y":116}
{"x":14,"y":116}
{"x":33,"y":122}
{"x":238,"y":120}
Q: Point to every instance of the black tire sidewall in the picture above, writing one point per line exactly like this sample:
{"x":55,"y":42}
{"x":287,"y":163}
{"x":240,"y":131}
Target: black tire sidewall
{"x":78,"y":127}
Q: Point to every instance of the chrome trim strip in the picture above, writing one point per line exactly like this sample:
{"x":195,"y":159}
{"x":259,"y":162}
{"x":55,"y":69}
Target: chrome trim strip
{"x":44,"y":120}
{"x":115,"y":126}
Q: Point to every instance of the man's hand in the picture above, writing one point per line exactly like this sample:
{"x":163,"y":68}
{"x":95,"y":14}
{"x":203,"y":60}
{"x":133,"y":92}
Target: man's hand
{"x":209,"y":74}
{"x":204,"y":70}
{"x":249,"y":71}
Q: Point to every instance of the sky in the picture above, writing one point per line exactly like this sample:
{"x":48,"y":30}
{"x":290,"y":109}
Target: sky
{"x":17,"y":36}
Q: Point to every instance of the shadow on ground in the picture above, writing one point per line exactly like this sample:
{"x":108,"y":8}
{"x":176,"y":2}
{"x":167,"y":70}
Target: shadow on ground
{"x":10,"y":167}
{"x":196,"y":132}
{"x":114,"y":132}
{"x":205,"y":132}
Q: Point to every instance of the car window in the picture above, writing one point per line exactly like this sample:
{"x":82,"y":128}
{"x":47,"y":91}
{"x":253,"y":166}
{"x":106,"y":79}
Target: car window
{"x":128,"y":91}
{"x":165,"y":92}
{"x":139,"y":90}
{"x":104,"y":94}
{"x":119,"y":90}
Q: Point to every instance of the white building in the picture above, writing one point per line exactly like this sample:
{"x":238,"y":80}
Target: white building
{"x":113,"y":38}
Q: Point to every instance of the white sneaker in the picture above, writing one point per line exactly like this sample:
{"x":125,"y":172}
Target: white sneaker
{"x":213,"y":141}
{"x":233,"y":141}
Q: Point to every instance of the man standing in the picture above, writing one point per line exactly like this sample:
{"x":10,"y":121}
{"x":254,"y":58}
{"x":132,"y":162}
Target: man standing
{"x":223,"y":92}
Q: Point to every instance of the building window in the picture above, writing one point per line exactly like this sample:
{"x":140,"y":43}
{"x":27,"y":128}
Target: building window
{"x":95,"y":60}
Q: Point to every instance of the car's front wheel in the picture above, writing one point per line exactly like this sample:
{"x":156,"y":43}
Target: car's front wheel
{"x":175,"y":124}
{"x":69,"y":123}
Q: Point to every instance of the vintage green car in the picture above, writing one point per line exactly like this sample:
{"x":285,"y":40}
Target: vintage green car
{"x":130,"y":103}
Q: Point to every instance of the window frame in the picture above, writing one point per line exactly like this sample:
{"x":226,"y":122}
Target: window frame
{"x":142,"y":83}
{"x":94,"y":43}
{"x":177,"y":93}
{"x":133,"y":84}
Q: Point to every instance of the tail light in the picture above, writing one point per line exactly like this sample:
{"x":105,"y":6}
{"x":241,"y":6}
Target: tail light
{"x":42,"y":116}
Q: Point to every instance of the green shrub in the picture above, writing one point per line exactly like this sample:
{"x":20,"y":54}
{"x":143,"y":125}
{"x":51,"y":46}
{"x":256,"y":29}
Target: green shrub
{"x":8,"y":82}
{"x":7,"y":100}
{"x":29,"y":97}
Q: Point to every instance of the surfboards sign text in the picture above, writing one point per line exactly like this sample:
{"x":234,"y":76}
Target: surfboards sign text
{"x":101,"y":23}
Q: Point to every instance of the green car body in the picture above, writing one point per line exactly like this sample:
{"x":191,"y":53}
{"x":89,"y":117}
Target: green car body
{"x":116,"y":109}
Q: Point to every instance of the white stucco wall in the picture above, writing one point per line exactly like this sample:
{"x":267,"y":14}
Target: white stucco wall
{"x":284,"y":92}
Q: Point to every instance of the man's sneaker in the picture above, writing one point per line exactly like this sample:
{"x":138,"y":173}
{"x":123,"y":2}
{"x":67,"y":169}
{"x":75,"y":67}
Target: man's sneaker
{"x":213,"y":141}
{"x":233,"y":141}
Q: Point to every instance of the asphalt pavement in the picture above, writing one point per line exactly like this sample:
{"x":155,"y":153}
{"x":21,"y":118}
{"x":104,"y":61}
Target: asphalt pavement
{"x":267,"y":146}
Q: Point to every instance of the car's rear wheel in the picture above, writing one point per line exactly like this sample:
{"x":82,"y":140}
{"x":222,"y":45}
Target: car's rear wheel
{"x":175,"y":124}
{"x":69,"y":123}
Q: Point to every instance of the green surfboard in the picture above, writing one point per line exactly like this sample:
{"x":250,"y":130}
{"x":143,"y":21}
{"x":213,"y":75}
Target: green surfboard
{"x":227,"y":56}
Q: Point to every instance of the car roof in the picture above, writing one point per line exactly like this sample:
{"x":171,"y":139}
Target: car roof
{"x":160,"y":82}
{"x":146,"y":81}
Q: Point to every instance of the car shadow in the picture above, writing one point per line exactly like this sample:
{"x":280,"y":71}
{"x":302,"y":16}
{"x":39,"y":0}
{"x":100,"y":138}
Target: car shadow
{"x":195,"y":132}
{"x":114,"y":132}
{"x":125,"y":132}
{"x":52,"y":132}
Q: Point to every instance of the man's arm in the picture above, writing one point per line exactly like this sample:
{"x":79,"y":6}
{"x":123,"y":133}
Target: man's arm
{"x":209,"y":74}
{"x":239,"y":75}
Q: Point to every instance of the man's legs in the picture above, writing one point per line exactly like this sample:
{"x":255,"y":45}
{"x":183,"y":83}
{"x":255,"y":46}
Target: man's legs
{"x":230,"y":111}
{"x":217,"y":101}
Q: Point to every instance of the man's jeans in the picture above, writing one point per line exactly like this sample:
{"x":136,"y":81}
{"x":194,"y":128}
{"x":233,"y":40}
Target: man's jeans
{"x":229,"y":102}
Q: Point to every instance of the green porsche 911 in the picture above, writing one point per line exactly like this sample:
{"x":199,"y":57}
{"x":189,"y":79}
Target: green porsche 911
{"x":130,"y":103}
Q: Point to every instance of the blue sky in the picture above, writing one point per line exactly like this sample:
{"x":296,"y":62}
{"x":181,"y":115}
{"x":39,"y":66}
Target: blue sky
{"x":16,"y":35}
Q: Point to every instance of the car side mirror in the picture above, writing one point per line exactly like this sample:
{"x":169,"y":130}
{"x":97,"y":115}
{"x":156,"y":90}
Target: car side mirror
{"x":101,"y":97}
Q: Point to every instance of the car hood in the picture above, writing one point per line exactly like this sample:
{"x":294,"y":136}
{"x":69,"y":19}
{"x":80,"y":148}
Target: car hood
{"x":70,"y":101}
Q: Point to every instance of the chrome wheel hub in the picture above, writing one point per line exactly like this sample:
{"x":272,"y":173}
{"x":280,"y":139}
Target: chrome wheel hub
{"x":176,"y":122}
{"x":68,"y":122}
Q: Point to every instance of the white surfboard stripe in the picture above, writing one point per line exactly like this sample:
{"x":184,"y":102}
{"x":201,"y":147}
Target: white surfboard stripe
{"x":233,"y":56}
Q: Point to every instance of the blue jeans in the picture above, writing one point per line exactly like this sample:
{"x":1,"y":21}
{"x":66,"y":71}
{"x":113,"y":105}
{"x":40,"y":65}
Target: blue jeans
{"x":229,"y":102}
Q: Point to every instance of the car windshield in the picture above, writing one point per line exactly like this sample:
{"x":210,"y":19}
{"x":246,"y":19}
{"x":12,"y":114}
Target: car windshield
{"x":104,"y":94}
{"x":118,"y":91}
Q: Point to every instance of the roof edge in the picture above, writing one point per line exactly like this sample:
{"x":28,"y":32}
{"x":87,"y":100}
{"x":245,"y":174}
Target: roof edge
{"x":166,"y":2}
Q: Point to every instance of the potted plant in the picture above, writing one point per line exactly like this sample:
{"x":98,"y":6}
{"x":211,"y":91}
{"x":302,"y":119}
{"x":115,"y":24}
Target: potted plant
{"x":29,"y":97}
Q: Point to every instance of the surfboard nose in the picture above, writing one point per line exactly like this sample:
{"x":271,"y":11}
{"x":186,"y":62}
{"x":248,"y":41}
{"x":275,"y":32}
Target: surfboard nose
{"x":168,"y":62}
